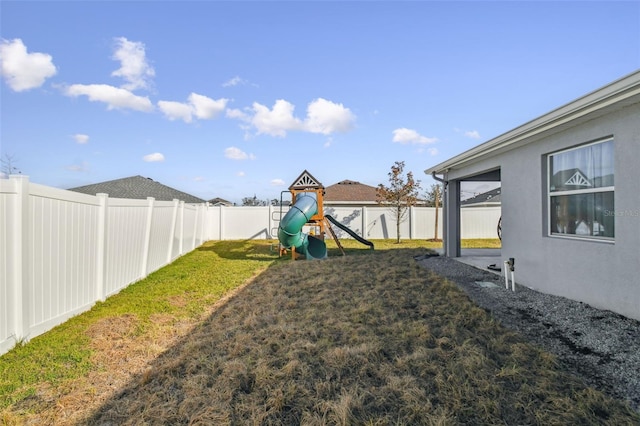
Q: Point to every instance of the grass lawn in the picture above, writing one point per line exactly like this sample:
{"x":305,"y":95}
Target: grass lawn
{"x":368,"y":338}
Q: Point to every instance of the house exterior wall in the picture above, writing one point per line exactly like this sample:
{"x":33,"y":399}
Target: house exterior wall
{"x":603,"y":274}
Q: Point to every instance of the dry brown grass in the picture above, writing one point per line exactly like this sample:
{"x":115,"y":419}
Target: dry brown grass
{"x":362,"y":339}
{"x":356,"y":340}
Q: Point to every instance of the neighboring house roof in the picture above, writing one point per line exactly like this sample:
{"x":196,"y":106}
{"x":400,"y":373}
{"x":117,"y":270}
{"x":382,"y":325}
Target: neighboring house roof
{"x":350,"y":191}
{"x":139,"y":188}
{"x":220,"y":202}
{"x":486,"y":199}
{"x":614,"y":96}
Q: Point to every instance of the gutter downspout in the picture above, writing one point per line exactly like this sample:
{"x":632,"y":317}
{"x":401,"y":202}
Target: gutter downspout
{"x":444,"y":182}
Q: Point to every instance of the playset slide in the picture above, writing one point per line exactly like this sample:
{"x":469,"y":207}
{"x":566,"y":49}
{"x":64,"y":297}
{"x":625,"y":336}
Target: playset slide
{"x":290,"y":230}
{"x":350,"y":232}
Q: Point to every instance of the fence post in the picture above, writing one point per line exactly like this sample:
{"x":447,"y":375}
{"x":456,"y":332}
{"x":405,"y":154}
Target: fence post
{"x":221,"y":216}
{"x":195,"y":229}
{"x":172,"y":233}
{"x":101,"y":249}
{"x":147,"y":238}
{"x":205,"y":223}
{"x":21,"y":253}
{"x":202,"y":214}
{"x":181,"y":228}
{"x":411,"y":222}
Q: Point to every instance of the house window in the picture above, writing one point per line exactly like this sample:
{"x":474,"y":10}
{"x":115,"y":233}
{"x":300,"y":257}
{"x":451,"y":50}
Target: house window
{"x":581,"y":189}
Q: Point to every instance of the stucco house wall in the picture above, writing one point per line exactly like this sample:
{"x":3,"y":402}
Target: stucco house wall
{"x":601,"y":273}
{"x":604,"y":274}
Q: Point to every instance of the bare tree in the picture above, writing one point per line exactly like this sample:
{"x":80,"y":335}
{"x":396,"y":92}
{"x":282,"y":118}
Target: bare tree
{"x":400,"y":195}
{"x":8,"y":165}
{"x":254,"y":201}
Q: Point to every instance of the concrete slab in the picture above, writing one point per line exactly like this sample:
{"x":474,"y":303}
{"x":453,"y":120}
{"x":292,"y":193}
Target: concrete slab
{"x":481,"y":258}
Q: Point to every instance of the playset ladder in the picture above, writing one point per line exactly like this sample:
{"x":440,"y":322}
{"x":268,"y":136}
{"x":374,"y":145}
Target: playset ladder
{"x":333,"y":234}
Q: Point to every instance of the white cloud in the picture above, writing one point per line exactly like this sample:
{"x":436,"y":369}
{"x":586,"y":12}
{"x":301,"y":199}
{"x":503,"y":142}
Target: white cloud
{"x":277,"y":182}
{"x":114,"y":97}
{"x":473,"y":134}
{"x":323,"y":116}
{"x":206,"y":108}
{"x":234,"y":82}
{"x":81,"y":138}
{"x":199,"y":179}
{"x":22,"y":70}
{"x":237,"y":154}
{"x":433,"y":151}
{"x":277,"y":121}
{"x":83,"y":167}
{"x":134,"y":67}
{"x":405,"y":136}
{"x":202,"y":107}
{"x":152,"y":158}
{"x":176,"y":110}
{"x":240,"y":173}
{"x":237,"y":114}
{"x":327,"y":117}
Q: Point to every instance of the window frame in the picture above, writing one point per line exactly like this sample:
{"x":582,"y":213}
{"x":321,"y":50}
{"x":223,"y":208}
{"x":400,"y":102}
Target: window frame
{"x":551,"y":194}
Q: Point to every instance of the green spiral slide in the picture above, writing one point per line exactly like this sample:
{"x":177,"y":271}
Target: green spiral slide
{"x":290,"y":230}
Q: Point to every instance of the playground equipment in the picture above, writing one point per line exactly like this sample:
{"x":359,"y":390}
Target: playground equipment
{"x":290,"y":232}
{"x":307,"y":210}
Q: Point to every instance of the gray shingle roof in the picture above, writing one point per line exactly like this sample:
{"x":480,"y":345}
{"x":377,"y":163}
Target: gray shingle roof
{"x":349,"y":190}
{"x":489,"y":197}
{"x":220,"y":201}
{"x":139,"y":188}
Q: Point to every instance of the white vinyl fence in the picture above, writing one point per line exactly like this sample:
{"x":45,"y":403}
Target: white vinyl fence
{"x":62,"y":251}
{"x":236,"y":223}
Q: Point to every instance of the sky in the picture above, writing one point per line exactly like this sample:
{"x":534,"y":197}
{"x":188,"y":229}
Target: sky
{"x":237,"y":99}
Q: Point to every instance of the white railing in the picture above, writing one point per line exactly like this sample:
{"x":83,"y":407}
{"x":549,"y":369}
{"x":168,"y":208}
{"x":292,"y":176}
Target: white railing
{"x":62,"y":251}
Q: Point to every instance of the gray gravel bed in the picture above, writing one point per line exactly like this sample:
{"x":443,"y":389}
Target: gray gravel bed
{"x":601,"y":347}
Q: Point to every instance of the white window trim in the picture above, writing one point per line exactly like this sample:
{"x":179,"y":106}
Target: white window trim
{"x":608,"y":240}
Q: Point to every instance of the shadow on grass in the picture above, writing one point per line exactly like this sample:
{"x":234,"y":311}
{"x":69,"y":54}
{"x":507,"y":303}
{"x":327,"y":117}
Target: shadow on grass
{"x":267,"y":250}
{"x":354,"y":340}
{"x":262,"y":250}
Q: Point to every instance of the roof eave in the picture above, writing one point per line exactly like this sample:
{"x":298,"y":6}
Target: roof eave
{"x":620,"y":90}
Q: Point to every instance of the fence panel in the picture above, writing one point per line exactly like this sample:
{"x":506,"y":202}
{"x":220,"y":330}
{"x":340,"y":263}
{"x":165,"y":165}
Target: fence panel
{"x":200,"y":227}
{"x":189,"y":229}
{"x":8,"y":200}
{"x":479,"y":222}
{"x":213,"y":220}
{"x":424,"y":221}
{"x":242,"y":223}
{"x":61,"y":251}
{"x":125,"y":243}
{"x":62,"y":256}
{"x":160,"y":238}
